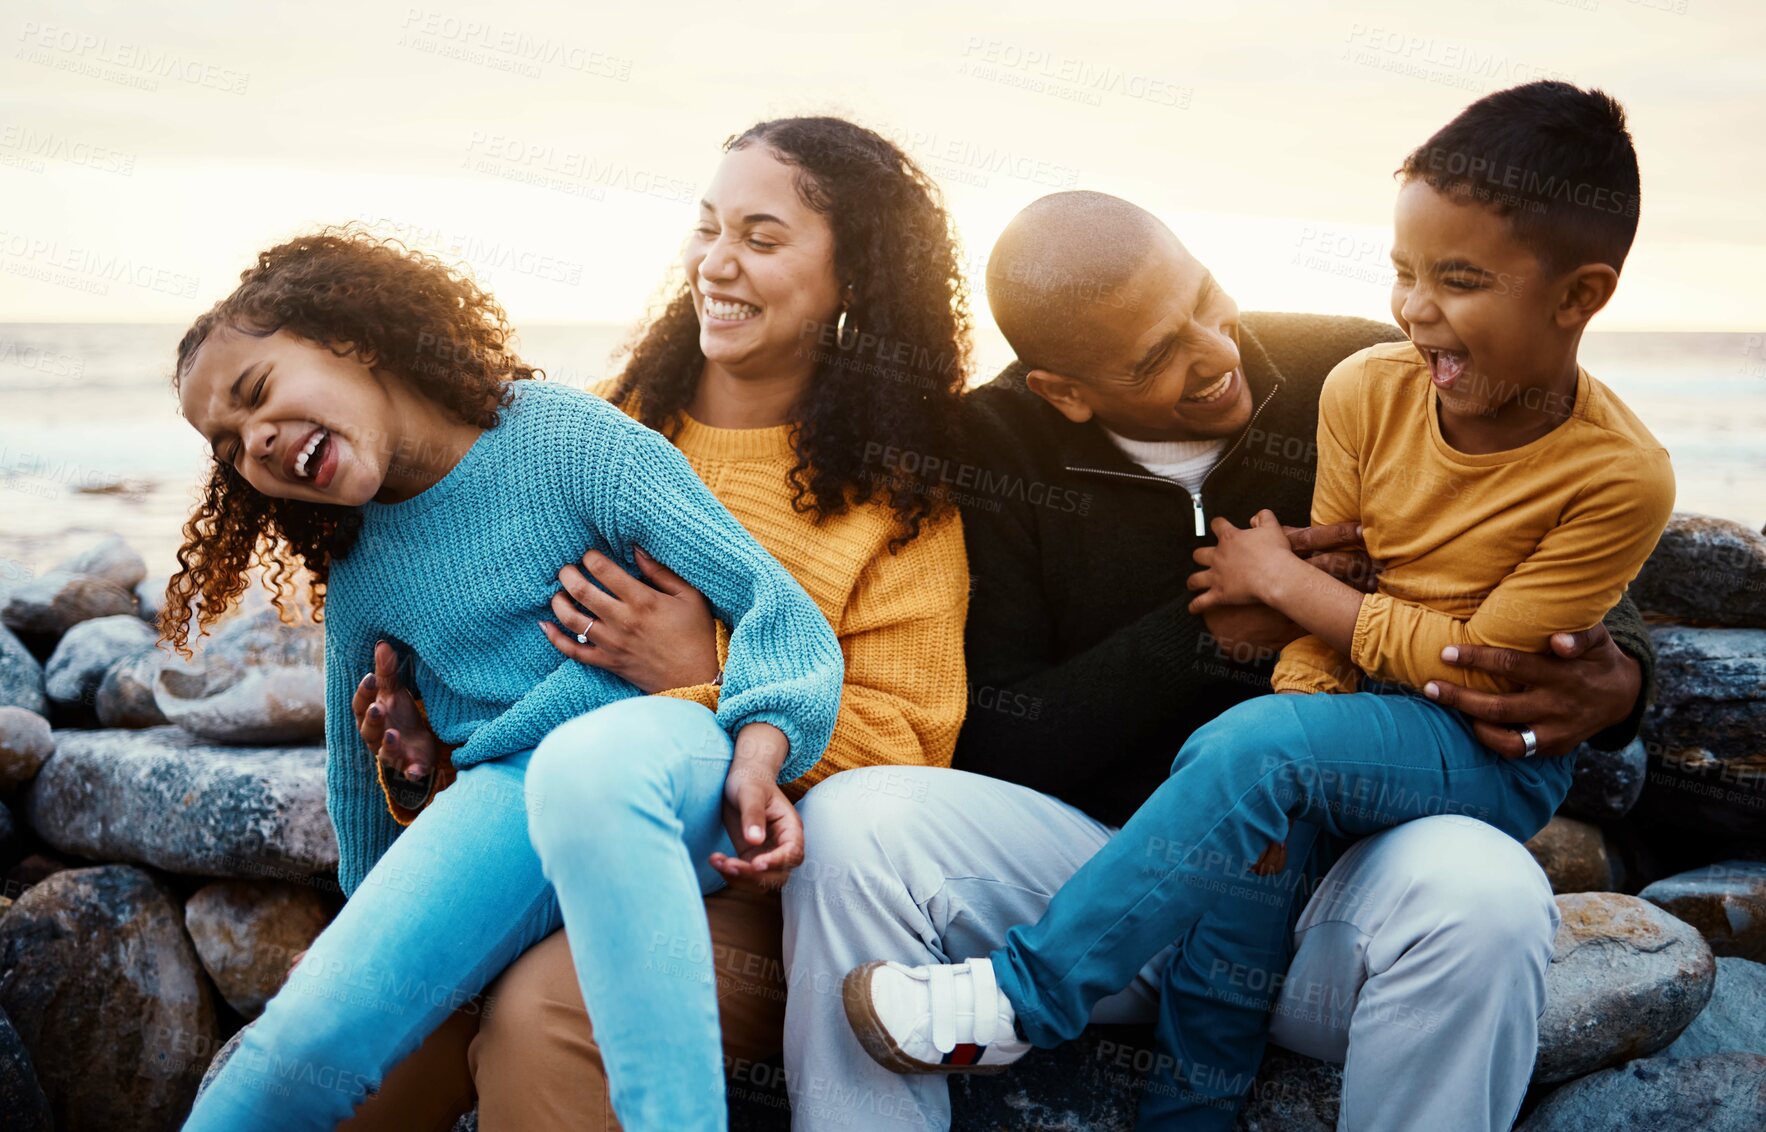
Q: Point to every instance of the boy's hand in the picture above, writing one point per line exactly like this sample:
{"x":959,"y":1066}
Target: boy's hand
{"x":763,"y":825}
{"x":1235,"y":569}
{"x":1335,"y":548}
{"x":390,"y":723}
{"x":1584,"y":686}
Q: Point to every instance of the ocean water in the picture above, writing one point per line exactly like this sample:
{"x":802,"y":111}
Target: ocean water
{"x":91,"y":442}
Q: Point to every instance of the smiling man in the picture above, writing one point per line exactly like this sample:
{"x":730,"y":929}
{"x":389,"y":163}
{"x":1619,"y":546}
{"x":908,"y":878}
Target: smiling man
{"x":1142,"y":406}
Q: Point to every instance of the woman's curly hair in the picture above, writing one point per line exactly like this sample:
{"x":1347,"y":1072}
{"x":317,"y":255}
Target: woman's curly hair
{"x":403,"y":312}
{"x":881,"y":404}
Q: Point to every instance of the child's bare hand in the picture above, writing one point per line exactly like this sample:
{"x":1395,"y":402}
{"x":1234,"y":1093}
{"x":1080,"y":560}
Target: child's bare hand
{"x":1274,"y":860}
{"x":391,"y":724}
{"x":1235,"y":569}
{"x":764,"y":826}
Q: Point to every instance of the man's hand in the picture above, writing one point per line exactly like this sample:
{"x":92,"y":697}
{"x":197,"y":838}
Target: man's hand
{"x":1586,"y":687}
{"x":390,"y":723}
{"x":764,"y":826}
{"x":1338,"y":550}
{"x":657,"y":636}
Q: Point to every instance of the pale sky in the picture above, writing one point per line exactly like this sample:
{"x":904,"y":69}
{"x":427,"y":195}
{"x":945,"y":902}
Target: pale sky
{"x":144,"y":157}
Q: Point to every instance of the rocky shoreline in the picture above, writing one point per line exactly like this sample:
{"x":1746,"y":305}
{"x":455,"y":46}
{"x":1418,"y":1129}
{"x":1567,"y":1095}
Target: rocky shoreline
{"x":167,"y":851}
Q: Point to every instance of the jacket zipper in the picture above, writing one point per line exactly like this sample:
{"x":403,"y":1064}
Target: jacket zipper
{"x":1195,"y":496}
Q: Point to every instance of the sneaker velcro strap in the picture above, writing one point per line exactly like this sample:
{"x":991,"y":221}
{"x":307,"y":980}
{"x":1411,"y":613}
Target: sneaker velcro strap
{"x":944,"y":1008}
{"x":986,"y":1000}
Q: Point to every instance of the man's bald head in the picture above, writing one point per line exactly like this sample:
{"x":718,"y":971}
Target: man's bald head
{"x":1058,"y":260}
{"x":1116,"y":322}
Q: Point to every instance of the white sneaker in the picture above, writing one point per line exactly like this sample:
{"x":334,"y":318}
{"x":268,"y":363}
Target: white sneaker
{"x":941,"y":1018}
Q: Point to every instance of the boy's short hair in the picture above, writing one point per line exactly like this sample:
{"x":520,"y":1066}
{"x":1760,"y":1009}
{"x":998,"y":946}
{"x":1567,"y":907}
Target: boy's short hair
{"x":1555,"y":160}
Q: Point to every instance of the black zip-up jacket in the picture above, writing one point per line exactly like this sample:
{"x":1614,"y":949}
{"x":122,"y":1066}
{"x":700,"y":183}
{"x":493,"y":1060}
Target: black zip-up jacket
{"x":1087,"y":671}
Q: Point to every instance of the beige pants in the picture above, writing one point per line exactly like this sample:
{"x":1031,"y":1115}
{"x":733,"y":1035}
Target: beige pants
{"x":532,"y":1054}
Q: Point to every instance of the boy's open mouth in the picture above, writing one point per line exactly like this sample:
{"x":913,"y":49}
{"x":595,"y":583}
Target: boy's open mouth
{"x":1445,"y":366}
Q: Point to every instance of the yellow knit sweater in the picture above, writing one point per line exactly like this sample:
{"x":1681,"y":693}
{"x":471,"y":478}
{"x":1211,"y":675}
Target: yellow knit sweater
{"x":899,"y":617}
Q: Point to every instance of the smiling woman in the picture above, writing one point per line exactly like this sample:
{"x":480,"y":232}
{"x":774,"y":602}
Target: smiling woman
{"x":823,"y":285}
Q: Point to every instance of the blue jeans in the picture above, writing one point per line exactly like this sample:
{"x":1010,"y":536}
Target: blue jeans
{"x":605,"y":828}
{"x":1312,"y":771}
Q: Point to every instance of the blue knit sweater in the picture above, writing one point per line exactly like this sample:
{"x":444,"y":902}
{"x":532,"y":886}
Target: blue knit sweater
{"x":462,"y":574}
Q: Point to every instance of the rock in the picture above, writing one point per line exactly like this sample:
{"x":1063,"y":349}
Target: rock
{"x":113,"y":560}
{"x":1734,"y":1021}
{"x":162,"y":797}
{"x":1711,"y":687}
{"x":248,"y":932}
{"x":1093,"y":1082}
{"x":1573,"y":855}
{"x":25,"y":744}
{"x":1293,"y":1093}
{"x":125,"y":698}
{"x":1625,"y":979}
{"x":1726,"y":902}
{"x":104,"y":987}
{"x":33,"y":870}
{"x":150,"y":598}
{"x":1706,"y":735}
{"x":8,"y":833}
{"x":21,"y":1097}
{"x":221,"y":1057}
{"x":1724,"y":1092}
{"x":53,"y":603}
{"x":21,"y":677}
{"x":1706,"y":571}
{"x":256,"y":681}
{"x":88,"y":651}
{"x":1607,"y":783}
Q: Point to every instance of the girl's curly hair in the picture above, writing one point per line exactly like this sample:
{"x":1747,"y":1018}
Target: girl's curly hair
{"x":883,"y":398}
{"x":401,"y":311}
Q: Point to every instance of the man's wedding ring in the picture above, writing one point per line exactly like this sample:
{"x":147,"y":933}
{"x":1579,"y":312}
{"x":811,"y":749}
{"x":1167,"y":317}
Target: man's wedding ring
{"x":1530,"y":741}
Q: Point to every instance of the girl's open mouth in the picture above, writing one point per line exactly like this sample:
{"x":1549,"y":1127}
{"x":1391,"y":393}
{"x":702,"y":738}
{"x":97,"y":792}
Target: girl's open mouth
{"x":317,"y":460}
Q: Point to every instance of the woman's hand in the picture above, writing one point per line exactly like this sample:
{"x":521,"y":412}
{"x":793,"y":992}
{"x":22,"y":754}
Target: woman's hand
{"x":1235,"y":570}
{"x":763,"y":824}
{"x":657,"y":636}
{"x":391,"y":724}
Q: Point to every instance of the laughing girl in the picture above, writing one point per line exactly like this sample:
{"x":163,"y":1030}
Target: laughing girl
{"x":370,"y":423}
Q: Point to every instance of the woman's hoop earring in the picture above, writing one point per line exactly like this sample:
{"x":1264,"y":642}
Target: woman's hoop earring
{"x":840,"y":329}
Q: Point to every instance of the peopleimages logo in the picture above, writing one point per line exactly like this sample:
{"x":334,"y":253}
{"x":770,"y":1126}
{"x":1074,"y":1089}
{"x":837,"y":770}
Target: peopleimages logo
{"x":984,"y":482}
{"x":1527,"y":184}
{"x":132,"y":64}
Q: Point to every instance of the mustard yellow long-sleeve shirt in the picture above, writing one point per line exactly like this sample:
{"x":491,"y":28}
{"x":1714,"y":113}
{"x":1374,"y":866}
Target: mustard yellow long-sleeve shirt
{"x":1500,"y":549}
